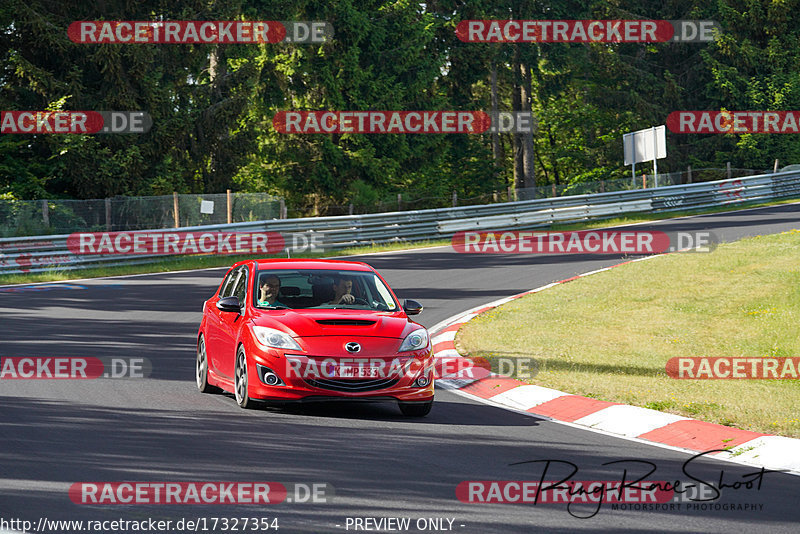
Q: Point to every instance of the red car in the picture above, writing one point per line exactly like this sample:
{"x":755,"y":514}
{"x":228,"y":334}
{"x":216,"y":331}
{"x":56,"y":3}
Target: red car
{"x":313,"y":330}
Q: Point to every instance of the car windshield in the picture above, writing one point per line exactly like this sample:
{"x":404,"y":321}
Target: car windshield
{"x":321,"y":289}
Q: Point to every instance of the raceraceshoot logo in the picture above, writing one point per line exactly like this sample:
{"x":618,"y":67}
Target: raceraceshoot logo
{"x":74,"y":122}
{"x":735,"y":122}
{"x":175,"y":243}
{"x":198,"y":32}
{"x":586,"y":31}
{"x":203,"y":492}
{"x":733,"y":368}
{"x":403,"y":122}
{"x":582,"y":242}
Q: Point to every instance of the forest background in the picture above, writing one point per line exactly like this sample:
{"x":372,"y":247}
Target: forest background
{"x":212,"y":105}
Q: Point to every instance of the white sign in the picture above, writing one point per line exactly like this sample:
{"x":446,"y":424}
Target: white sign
{"x":645,"y":145}
{"x":649,"y":144}
{"x":207,"y":206}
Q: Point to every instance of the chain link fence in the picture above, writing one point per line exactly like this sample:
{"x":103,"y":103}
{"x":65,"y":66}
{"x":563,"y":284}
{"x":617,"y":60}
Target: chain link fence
{"x":44,"y":217}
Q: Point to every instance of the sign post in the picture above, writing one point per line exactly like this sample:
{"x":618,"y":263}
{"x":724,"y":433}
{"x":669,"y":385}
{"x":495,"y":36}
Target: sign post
{"x":649,"y":144}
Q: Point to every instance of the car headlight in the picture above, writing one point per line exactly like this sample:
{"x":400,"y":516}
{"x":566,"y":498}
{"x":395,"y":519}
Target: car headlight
{"x":269,"y":337}
{"x":416,"y":340}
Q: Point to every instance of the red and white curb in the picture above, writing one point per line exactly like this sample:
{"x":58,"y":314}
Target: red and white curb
{"x":459,"y":373}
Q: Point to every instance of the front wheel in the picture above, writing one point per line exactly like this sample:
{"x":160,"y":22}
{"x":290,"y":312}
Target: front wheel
{"x":240,"y":381}
{"x":416,"y":409}
{"x":201,"y":368}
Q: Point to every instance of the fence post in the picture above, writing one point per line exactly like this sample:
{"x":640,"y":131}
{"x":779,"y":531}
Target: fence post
{"x":644,"y":181}
{"x":399,"y":201}
{"x":230,"y":207}
{"x":175,"y":208}
{"x":109,"y":225}
{"x":455,"y":198}
{"x":508,"y":193}
{"x":689,"y":170}
{"x":282,"y":214}
{"x":602,"y":186}
{"x":775,"y":169}
{"x":45,"y":213}
{"x":554,"y":190}
{"x":729,"y":170}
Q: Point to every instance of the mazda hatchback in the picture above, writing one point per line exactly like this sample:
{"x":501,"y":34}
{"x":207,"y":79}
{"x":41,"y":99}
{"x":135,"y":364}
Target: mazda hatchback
{"x":313,"y":330}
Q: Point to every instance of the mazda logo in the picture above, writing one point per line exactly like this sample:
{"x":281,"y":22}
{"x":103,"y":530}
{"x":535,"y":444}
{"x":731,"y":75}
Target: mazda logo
{"x":353,"y":347}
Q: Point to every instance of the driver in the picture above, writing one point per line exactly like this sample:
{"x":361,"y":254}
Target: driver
{"x":270,"y":287}
{"x":343,"y":288}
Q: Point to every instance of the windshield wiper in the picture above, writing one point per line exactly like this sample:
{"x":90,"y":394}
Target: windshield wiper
{"x":274,"y":307}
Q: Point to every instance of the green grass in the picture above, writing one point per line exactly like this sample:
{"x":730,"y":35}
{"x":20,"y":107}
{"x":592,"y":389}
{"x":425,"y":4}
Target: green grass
{"x":609,"y":336}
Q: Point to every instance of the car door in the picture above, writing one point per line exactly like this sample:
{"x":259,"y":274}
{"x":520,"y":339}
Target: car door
{"x":215,"y":344}
{"x":230,"y":324}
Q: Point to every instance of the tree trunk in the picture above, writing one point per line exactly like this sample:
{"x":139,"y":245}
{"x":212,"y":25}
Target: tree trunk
{"x":497,"y":146}
{"x":556,"y":175}
{"x":214,"y":66}
{"x":517,"y":142}
{"x":528,"y":176}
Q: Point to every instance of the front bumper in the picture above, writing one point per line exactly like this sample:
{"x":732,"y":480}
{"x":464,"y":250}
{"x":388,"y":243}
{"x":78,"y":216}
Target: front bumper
{"x":302,"y":380}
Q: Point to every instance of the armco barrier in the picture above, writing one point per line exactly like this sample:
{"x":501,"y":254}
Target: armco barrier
{"x":44,"y":253}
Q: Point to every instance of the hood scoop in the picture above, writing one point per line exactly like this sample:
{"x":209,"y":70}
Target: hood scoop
{"x":345,"y":322}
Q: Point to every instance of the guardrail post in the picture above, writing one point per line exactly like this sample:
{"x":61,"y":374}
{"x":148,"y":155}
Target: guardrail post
{"x":175,"y":208}
{"x":109,"y":225}
{"x":729,"y":170}
{"x":230,"y":207}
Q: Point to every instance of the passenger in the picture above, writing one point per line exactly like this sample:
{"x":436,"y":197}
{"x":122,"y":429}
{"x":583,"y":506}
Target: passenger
{"x":270,"y":287}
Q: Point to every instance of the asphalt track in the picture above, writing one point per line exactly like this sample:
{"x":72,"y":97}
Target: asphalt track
{"x":57,"y":432}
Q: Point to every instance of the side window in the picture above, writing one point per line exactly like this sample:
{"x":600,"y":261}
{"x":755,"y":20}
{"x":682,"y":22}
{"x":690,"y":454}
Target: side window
{"x":241,"y":286}
{"x":226,"y":290}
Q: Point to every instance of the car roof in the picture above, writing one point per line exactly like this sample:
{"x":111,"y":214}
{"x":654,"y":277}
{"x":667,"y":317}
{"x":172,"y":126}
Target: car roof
{"x":333,"y":265}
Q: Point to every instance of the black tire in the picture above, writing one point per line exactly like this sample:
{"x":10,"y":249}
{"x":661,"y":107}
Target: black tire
{"x":416,"y":409}
{"x":201,"y":368}
{"x":241,"y":380}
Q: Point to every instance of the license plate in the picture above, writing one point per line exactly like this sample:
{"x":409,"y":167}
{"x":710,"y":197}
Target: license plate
{"x":357,"y":372}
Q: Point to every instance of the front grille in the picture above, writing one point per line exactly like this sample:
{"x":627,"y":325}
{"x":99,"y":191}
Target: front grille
{"x":354,"y":385}
{"x":345,"y":322}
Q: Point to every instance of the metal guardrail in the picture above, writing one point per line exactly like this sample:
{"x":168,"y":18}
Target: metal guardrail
{"x":45,"y":253}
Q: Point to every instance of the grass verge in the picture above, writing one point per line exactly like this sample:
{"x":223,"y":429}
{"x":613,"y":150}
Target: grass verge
{"x":609,"y":336}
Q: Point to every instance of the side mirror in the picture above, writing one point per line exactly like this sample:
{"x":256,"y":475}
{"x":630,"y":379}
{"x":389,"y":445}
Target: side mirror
{"x":412,"y":307}
{"x":229,"y":304}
